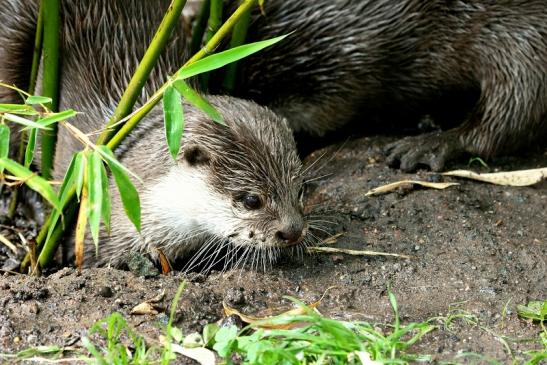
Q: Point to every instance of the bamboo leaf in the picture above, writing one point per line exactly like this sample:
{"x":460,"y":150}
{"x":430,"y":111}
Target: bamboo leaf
{"x":4,"y":142}
{"x":221,"y":59}
{"x":23,"y":121}
{"x":17,"y":109}
{"x":95,"y":194}
{"x":56,"y":117}
{"x":36,"y":99}
{"x":80,"y":228}
{"x":199,"y":101}
{"x":31,"y":146}
{"x":106,"y":206}
{"x":128,"y":192}
{"x":79,"y":172}
{"x":68,"y":181}
{"x":33,"y":181}
{"x":108,"y":156}
{"x":173,"y":115}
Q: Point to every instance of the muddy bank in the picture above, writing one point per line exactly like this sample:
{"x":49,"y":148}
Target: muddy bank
{"x":475,"y":248}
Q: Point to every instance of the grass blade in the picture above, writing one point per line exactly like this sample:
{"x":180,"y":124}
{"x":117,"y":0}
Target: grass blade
{"x":197,"y":100}
{"x":95,"y":194}
{"x":33,"y":181}
{"x":174,"y":119}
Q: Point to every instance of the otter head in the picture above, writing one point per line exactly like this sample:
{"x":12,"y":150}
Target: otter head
{"x":239,"y":183}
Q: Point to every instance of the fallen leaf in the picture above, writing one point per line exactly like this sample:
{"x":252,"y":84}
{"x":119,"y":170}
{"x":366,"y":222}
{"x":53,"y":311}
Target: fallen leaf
{"x":200,"y":354}
{"x":354,"y":252}
{"x":269,"y":322}
{"x":144,"y":308}
{"x":508,"y":178}
{"x":390,"y":187}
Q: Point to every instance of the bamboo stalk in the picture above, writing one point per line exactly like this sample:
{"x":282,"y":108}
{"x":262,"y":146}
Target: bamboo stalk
{"x":239,"y":34}
{"x":36,"y":54}
{"x":50,"y":79}
{"x":199,"y":28}
{"x":209,"y":48}
{"x":213,"y":25}
{"x":50,"y":246}
{"x":133,"y":90}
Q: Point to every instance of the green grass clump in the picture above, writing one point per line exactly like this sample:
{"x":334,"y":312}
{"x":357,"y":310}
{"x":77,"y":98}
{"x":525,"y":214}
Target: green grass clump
{"x":323,"y":341}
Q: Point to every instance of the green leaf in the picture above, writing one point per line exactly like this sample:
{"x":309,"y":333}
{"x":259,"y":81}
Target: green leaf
{"x":221,"y":59}
{"x":4,"y":142}
{"x":68,"y":181}
{"x":106,"y":207}
{"x":108,"y":156}
{"x":79,"y":172}
{"x":33,"y":181}
{"x":95,"y":194}
{"x":17,"y":109}
{"x":199,"y":101}
{"x":36,"y":99}
{"x":173,"y":115}
{"x":31,"y":146}
{"x":56,"y":117}
{"x":128,"y":192}
{"x":23,"y":121}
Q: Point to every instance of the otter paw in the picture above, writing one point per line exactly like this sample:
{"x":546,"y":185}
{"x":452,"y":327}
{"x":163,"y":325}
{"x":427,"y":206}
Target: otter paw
{"x":432,"y":150}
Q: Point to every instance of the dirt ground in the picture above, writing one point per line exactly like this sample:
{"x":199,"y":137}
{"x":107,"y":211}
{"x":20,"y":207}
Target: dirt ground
{"x":476,"y":248}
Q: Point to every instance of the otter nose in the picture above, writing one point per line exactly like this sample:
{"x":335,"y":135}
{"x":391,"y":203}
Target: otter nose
{"x":290,"y":234}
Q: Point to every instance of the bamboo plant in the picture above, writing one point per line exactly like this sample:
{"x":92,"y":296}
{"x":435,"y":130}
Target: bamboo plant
{"x":86,"y":178}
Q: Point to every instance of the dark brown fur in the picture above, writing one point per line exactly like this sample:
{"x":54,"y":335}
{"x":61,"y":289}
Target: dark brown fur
{"x":353,"y":60}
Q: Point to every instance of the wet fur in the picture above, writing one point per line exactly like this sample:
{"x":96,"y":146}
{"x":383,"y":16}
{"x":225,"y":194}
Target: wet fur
{"x":102,"y":42}
{"x":353,"y":60}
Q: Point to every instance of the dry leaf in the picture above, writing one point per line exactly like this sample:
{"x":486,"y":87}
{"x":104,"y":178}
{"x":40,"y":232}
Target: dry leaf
{"x":200,"y":354}
{"x":144,"y":308}
{"x":354,"y":252}
{"x":508,"y":178}
{"x":390,"y":187}
{"x":269,"y":322}
{"x":164,"y":262}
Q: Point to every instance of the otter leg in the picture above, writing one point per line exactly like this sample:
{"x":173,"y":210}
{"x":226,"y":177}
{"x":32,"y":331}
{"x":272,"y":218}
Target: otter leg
{"x":511,"y":113}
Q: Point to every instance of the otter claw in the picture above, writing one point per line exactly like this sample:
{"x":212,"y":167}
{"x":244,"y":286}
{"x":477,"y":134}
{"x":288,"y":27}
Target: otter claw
{"x":431,"y":150}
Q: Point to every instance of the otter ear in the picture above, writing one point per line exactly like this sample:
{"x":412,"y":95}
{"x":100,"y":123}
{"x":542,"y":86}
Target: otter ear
{"x":196,"y":155}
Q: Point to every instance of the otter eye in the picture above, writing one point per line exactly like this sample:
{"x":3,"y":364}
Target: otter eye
{"x":252,"y":202}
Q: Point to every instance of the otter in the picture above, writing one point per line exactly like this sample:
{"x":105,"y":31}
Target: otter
{"x":367,"y":60}
{"x":239,"y":183}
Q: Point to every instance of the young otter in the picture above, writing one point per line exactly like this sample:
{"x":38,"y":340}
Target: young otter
{"x":238,"y":183}
{"x":366,"y":60}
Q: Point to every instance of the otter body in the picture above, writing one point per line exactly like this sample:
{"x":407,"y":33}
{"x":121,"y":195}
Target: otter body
{"x":364,"y":60}
{"x":236,"y":184}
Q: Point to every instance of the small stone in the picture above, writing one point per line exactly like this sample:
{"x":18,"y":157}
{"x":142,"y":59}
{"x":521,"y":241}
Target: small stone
{"x":106,"y":292}
{"x":235,"y":296}
{"x":337,"y":259}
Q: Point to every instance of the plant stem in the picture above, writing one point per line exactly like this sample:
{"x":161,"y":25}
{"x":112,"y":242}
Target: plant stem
{"x":50,"y":80}
{"x":209,"y":48}
{"x":50,"y":246}
{"x":199,"y":28}
{"x":213,"y":25}
{"x":37,"y":53}
{"x":142,"y":73}
{"x":239,"y":35}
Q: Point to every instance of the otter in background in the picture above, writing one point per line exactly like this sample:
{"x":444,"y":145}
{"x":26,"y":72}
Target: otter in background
{"x":481,"y":66}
